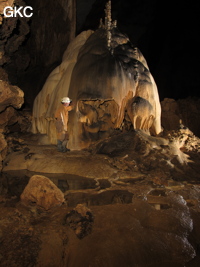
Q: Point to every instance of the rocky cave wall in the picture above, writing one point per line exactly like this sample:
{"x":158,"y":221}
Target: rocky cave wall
{"x":29,"y":49}
{"x":12,"y":97}
{"x":32,"y":47}
{"x":52,"y":28}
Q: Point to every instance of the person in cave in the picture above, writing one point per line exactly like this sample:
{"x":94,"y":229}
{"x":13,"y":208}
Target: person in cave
{"x":61,"y":116}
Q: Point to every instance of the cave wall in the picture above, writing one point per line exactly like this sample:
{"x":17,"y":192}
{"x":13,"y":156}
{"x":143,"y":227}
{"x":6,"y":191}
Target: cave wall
{"x":13,"y":33}
{"x":52,"y":28}
{"x":29,"y":49}
{"x":33,"y":47}
{"x":181,"y":113}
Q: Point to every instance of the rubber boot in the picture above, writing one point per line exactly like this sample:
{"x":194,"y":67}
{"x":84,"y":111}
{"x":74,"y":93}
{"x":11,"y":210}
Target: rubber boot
{"x":59,"y":146}
{"x":64,"y":144}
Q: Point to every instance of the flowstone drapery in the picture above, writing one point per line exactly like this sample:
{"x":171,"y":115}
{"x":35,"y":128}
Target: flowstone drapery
{"x":109,"y":82}
{"x":55,"y":87}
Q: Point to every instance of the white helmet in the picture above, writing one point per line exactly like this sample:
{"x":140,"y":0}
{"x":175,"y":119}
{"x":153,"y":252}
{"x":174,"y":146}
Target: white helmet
{"x":65,"y":100}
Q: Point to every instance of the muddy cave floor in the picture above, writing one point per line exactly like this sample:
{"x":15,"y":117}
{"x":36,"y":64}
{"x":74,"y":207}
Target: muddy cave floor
{"x":141,"y":211}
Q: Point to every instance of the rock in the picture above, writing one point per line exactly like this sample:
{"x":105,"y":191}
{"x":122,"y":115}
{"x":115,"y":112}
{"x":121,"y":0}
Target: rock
{"x":8,"y":117}
{"x":10,"y":96}
{"x":43,"y":192}
{"x":80,"y":220}
{"x":190,"y":112}
{"x":170,"y":115}
{"x":185,"y":112}
{"x":11,"y":40}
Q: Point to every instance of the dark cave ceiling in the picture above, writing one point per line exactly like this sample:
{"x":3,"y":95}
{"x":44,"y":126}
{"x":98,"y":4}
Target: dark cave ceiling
{"x":165,"y":32}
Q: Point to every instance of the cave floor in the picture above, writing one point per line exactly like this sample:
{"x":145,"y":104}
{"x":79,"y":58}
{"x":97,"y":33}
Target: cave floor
{"x":139,"y":216}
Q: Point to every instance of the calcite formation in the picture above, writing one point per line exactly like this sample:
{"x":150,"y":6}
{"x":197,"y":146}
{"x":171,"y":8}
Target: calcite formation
{"x":55,"y":87}
{"x":115,"y":83}
{"x":109,"y":82}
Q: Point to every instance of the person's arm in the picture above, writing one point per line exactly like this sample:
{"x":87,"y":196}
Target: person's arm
{"x":70,"y":107}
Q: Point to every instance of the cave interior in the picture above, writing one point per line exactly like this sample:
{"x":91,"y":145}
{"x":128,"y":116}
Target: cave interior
{"x":129,"y":198}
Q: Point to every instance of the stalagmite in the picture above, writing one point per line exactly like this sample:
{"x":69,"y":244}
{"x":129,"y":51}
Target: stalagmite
{"x":107,"y":79}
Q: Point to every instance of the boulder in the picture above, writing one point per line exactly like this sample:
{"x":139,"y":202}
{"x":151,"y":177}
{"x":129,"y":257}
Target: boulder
{"x":43,"y":192}
{"x":80,"y":219}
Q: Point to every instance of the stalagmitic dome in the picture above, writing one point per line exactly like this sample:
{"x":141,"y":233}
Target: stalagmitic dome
{"x":108,"y":85}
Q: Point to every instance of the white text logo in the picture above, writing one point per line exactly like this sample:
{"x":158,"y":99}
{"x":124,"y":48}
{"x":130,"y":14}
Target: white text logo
{"x":21,"y":11}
